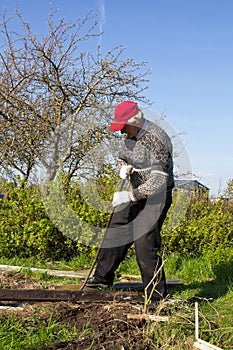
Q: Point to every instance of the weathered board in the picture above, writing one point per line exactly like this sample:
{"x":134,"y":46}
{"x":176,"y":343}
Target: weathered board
{"x":74,"y":274}
{"x":67,"y":295}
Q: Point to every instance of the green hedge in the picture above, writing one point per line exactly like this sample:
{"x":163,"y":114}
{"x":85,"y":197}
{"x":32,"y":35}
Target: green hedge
{"x":206,"y":228}
{"x":26,"y":230}
{"x":62,"y":223}
{"x":55,"y":221}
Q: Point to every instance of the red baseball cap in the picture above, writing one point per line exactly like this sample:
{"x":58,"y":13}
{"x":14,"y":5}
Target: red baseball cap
{"x":123,"y":112}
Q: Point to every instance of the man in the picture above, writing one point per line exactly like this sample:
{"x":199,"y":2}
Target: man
{"x":145,"y":157}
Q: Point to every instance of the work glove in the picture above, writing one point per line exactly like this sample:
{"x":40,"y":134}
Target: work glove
{"x":125,"y":171}
{"x":122,"y":197}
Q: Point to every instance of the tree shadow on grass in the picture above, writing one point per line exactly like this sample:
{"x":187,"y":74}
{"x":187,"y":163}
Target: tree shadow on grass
{"x":214,"y":288}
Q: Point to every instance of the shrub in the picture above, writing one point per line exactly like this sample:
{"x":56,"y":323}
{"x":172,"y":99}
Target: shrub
{"x":206,"y":228}
{"x":25,"y":229}
{"x":63,"y":223}
{"x":53,"y":222}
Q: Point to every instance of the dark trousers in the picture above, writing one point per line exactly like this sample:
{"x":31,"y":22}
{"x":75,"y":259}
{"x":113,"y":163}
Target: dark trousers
{"x":139,"y":223}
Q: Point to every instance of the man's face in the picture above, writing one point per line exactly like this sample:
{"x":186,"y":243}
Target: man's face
{"x":130,"y":130}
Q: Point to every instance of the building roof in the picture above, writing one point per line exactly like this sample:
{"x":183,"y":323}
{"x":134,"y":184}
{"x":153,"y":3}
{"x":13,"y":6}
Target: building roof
{"x":190,"y":184}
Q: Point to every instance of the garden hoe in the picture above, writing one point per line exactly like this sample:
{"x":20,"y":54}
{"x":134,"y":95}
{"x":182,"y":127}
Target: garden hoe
{"x":101,"y":243}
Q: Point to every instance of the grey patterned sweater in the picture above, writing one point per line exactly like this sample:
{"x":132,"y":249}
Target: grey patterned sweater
{"x":151,"y":157}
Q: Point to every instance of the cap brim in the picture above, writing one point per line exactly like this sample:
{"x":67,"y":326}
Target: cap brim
{"x":116,"y":126}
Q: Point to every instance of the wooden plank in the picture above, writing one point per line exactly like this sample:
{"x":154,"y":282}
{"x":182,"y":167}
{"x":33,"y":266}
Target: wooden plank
{"x":199,"y":343}
{"x":78,"y":274}
{"x":117,"y":286}
{"x":137,"y":285}
{"x":58,"y":273}
{"x":67,"y":295}
{"x":147,"y":317}
{"x":203,"y":345}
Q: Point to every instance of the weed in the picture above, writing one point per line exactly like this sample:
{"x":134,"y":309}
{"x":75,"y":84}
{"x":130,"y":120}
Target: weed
{"x":27,"y":333}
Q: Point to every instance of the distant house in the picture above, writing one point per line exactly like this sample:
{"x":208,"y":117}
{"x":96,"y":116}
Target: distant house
{"x":196,"y":189}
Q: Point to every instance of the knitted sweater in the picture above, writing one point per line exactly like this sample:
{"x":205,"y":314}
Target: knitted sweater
{"x":151,"y":157}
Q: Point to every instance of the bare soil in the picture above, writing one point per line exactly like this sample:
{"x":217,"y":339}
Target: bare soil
{"x":100,"y":325}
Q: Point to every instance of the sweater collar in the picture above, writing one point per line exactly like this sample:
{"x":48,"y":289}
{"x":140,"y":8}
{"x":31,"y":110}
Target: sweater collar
{"x":143,"y":130}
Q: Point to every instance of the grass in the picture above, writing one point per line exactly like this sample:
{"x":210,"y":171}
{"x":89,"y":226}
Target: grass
{"x":81,"y":261}
{"x":211,"y":286}
{"x":15,"y":335}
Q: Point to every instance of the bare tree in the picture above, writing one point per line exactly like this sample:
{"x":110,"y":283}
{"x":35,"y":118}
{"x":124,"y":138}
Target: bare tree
{"x":228,"y":193}
{"x":55,"y":96}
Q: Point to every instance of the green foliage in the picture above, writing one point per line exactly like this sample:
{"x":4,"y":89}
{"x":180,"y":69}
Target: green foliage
{"x":25,"y":229}
{"x":80,"y":211}
{"x":66,"y":218}
{"x":28,"y":334}
{"x":205,"y":228}
{"x":56,"y":221}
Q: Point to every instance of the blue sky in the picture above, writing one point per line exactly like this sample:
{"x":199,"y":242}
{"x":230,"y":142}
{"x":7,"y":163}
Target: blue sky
{"x":188,"y":44}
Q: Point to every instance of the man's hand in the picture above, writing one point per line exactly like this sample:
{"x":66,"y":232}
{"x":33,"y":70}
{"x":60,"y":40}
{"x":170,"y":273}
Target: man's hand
{"x":120,"y":198}
{"x":125,"y":171}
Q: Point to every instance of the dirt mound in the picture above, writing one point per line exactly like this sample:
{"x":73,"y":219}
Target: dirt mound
{"x":102,"y":327}
{"x":99,"y":324}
